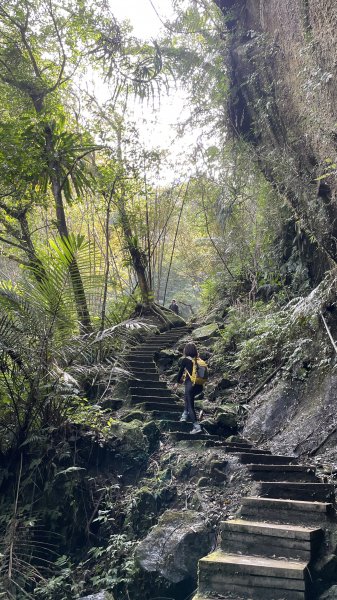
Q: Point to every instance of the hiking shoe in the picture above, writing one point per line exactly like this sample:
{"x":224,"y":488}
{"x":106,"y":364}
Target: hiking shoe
{"x":196,"y":428}
{"x":184,"y":417}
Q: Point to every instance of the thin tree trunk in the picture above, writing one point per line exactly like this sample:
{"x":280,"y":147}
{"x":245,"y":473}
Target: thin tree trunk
{"x":175,"y":241}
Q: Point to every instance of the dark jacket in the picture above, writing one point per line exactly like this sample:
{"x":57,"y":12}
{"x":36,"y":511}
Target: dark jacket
{"x":187,"y":364}
{"x":174,"y":307}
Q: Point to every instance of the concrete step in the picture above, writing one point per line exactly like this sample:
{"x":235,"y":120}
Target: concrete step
{"x":287,"y":473}
{"x":181,"y":436}
{"x":286,"y":511}
{"x":151,"y":391}
{"x":169,"y":425}
{"x":270,"y":539}
{"x":140,"y":385}
{"x":265,"y":459}
{"x":167,"y":414}
{"x":142,"y":364}
{"x":261,"y":578}
{"x":162,"y":407}
{"x":152,"y":398}
{"x":286,"y":490}
{"x":227,"y":447}
{"x":144,"y":375}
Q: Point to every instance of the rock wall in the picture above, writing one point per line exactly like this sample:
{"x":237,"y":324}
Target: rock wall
{"x":283,"y":93}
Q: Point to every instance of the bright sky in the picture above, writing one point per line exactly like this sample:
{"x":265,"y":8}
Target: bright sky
{"x":157,"y":129}
{"x":142,"y":15}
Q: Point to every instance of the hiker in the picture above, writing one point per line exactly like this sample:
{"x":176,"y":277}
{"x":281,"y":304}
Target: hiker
{"x":191,"y":389}
{"x":174,"y":307}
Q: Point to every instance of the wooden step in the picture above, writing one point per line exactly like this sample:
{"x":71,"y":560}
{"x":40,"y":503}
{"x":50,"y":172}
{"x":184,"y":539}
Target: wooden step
{"x":270,"y":539}
{"x":258,"y":576}
{"x":286,"y":511}
{"x":286,"y":490}
{"x":266,"y":459}
{"x":287,"y":473}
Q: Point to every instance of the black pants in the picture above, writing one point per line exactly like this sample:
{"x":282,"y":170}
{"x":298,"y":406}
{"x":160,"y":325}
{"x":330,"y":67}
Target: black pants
{"x":191,"y":391}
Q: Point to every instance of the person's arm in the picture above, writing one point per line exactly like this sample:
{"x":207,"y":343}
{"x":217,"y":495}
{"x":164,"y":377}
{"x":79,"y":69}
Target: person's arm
{"x":186,"y":364}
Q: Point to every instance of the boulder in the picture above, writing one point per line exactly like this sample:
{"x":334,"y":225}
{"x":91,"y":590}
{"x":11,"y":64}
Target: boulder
{"x":142,"y":512}
{"x":152,"y":432}
{"x":174,"y":546}
{"x":326,"y":568}
{"x":205,"y":332}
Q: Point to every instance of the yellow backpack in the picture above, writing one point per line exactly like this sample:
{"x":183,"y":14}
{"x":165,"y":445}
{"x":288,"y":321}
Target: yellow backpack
{"x":199,"y":372}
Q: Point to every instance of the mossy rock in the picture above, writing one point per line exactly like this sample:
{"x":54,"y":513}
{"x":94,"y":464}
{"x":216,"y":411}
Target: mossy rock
{"x":173,"y":548}
{"x":142,"y":513}
{"x":205,"y":332}
{"x":129,"y":447}
{"x":152,"y":432}
{"x":134,"y":415}
{"x":227,"y":420}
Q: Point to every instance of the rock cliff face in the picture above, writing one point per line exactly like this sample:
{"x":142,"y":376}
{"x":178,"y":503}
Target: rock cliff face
{"x":283,"y":101}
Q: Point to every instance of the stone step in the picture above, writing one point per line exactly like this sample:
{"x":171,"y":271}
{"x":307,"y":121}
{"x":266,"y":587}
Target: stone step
{"x":286,"y":511}
{"x":289,"y":473}
{"x":169,"y":425}
{"x":151,"y":391}
{"x":144,"y":375}
{"x":170,"y":416}
{"x":152,"y":398}
{"x":227,"y":447}
{"x":286,"y":490}
{"x":270,"y":539}
{"x":142,"y":364}
{"x":139,"y":385}
{"x":181,"y":436}
{"x":270,"y":459}
{"x":260,"y":577}
{"x":161,"y":407}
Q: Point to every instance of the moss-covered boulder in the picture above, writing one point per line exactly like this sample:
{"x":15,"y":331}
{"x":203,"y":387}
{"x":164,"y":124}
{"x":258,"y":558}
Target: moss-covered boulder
{"x":152,"y":433}
{"x":205,"y":332}
{"x":142,"y":512}
{"x":128,"y":449}
{"x":174,"y":546}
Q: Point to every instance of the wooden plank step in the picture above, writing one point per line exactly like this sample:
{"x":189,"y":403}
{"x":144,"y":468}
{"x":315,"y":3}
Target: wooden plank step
{"x":286,"y":511}
{"x":271,"y":459}
{"x":286,"y":490}
{"x":270,"y":540}
{"x":298,"y":473}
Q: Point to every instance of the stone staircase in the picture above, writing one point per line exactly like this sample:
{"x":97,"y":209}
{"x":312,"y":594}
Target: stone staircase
{"x":153,"y":396}
{"x":267,"y":553}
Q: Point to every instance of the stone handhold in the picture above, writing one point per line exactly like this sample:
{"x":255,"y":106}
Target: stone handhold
{"x":100,"y":596}
{"x":174,"y":546}
{"x":205,"y":332}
